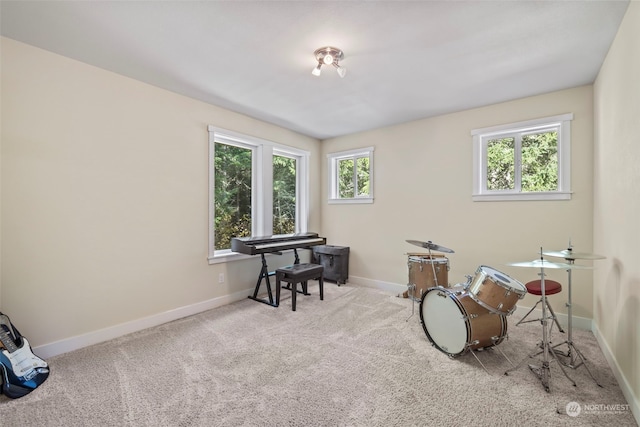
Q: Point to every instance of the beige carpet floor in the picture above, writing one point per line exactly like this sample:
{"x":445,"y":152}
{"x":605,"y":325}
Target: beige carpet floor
{"x":351,"y":360}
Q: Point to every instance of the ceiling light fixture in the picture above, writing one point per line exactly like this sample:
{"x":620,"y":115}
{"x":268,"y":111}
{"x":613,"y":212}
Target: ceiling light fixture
{"x":329,"y":56}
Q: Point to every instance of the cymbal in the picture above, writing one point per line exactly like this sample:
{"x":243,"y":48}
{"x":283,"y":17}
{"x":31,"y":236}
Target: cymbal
{"x":430,"y":245}
{"x":543,"y":263}
{"x":570,"y":254}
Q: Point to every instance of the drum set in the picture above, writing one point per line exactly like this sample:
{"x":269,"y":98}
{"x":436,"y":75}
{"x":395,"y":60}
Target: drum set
{"x":466,"y":316}
{"x":473,"y":315}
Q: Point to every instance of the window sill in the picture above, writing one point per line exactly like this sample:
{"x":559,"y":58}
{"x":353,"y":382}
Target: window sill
{"x":227,"y":256}
{"x":559,"y":195}
{"x":350,"y":201}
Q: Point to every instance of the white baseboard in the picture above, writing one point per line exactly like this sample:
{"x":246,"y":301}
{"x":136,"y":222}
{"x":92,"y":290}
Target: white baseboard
{"x":627,"y":390}
{"x":393,"y":288}
{"x":74,"y":343}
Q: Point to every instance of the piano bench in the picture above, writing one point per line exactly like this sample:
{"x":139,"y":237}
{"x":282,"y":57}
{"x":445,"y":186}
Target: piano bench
{"x":298,"y":273}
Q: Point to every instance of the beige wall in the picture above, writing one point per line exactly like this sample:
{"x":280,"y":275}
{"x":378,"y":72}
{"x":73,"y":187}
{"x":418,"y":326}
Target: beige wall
{"x":104,"y":197}
{"x":617,"y":202}
{"x":423,"y":184}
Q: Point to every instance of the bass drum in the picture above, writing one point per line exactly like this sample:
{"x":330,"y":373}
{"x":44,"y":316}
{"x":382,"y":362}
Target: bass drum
{"x":455,"y":323}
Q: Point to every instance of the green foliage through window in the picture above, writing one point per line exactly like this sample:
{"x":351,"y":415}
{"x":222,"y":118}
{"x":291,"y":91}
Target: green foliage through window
{"x":353,"y":173}
{"x":284,"y":195}
{"x":232,"y":169}
{"x":538,"y":157}
{"x":540,"y":162}
{"x":501,"y":164}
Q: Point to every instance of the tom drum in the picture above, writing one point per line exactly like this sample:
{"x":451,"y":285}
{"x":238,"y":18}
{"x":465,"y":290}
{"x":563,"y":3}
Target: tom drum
{"x":495,"y":291}
{"x":427,"y":271}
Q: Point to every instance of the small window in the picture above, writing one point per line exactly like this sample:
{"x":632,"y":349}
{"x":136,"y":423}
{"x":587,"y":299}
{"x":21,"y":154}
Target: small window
{"x":351,"y":176}
{"x":523,"y":161}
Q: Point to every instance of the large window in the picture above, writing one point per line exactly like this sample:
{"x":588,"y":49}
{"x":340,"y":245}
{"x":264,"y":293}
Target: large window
{"x":284,"y":194}
{"x":351,"y":176}
{"x":523,"y":161}
{"x":233,"y":173}
{"x":256,"y":188}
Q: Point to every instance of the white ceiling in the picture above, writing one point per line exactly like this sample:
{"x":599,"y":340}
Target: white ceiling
{"x":406,"y":60}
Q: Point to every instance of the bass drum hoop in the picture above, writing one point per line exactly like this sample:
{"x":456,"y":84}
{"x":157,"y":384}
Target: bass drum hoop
{"x":462,"y":310}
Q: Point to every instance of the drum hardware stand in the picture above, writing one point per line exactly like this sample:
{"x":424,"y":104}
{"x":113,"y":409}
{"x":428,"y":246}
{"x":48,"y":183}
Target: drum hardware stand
{"x":412,"y":286}
{"x":543,"y":372}
{"x":412,"y":291}
{"x":572,"y":351}
{"x":553,"y":316}
{"x":494,"y":339}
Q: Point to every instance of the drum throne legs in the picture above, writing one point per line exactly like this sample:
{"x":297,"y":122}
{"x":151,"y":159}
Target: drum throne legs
{"x":551,"y":287}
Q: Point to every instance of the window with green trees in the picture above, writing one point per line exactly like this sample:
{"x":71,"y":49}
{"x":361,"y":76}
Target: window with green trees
{"x":351,"y":176}
{"x":284,"y":194}
{"x":523,"y":161}
{"x":256,"y":188}
{"x":233,"y":185}
{"x":537,"y":153}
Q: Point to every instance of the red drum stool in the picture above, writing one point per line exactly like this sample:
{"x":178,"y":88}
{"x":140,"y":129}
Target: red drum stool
{"x":551,"y":287}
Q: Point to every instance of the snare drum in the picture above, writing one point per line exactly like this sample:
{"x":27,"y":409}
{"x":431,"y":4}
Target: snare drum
{"x":455,"y":323}
{"x":422,"y":269}
{"x":495,"y":291}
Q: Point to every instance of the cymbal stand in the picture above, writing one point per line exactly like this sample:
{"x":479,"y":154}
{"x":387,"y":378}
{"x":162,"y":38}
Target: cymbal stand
{"x":543,"y":372}
{"x":572,"y":351}
{"x":412,"y":286}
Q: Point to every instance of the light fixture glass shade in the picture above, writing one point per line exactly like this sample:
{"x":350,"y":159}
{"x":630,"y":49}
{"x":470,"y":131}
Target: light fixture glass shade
{"x":329,"y":55}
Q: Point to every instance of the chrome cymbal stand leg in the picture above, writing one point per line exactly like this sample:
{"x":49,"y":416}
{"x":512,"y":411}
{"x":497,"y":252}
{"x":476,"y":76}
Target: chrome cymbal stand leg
{"x":433,"y":268}
{"x":412,"y":286}
{"x":412,"y":291}
{"x":572,"y":351}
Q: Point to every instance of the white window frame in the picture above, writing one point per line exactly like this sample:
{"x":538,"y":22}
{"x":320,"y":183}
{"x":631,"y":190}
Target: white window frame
{"x":480,"y":139}
{"x":332,"y":168}
{"x":261,"y":188}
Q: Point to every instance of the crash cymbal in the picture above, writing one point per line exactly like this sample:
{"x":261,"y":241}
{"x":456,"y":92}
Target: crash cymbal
{"x":430,"y":245}
{"x":571,"y":254}
{"x":543,"y":263}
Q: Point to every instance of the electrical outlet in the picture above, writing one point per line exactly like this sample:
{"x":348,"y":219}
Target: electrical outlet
{"x":221,"y":278}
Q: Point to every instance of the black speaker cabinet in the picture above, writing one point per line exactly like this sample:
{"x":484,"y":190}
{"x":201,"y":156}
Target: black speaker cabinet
{"x":335,"y":260}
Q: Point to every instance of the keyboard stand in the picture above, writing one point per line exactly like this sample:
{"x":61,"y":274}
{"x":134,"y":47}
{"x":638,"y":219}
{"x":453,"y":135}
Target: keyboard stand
{"x":264,"y":275}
